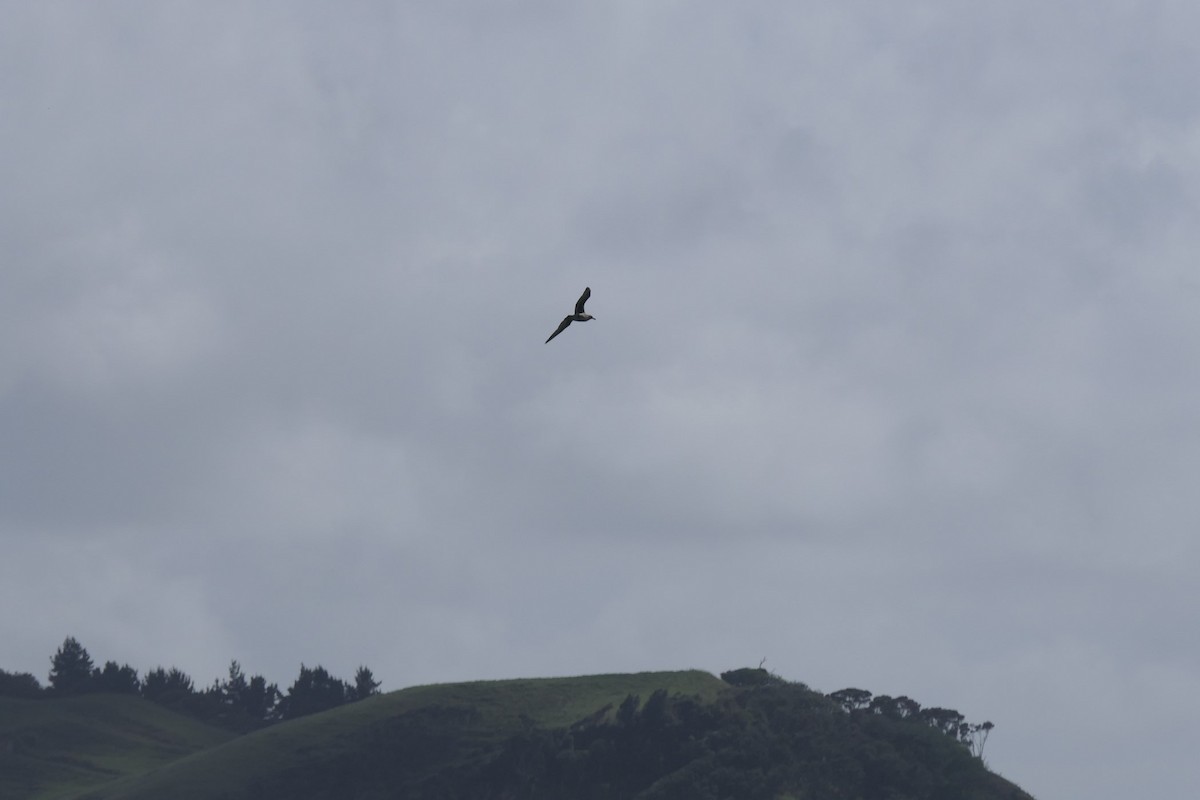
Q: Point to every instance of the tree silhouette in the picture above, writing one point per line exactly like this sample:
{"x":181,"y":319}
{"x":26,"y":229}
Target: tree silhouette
{"x":946,"y":720}
{"x":747,"y":676}
{"x":261,"y":699}
{"x":895,"y":707}
{"x":19,"y":684}
{"x":851,"y":699}
{"x":365,"y":684}
{"x":255,"y":697}
{"x":314,"y":690}
{"x":976,"y":736}
{"x":71,"y":668}
{"x":167,"y":688}
{"x":235,"y":686}
{"x":627,"y":712}
{"x":245,"y":704}
{"x":113,"y":678}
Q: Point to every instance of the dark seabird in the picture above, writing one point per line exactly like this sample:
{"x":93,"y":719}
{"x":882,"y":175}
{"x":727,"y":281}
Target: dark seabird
{"x":578,"y":316}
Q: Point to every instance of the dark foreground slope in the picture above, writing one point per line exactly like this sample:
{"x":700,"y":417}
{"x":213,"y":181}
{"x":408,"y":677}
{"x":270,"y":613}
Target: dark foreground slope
{"x":651,"y":735}
{"x":56,"y":748}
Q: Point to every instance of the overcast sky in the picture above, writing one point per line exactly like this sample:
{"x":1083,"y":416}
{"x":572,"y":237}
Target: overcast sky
{"x":894,"y":378}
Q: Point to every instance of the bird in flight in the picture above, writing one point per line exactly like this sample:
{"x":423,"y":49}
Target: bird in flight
{"x":578,"y":316}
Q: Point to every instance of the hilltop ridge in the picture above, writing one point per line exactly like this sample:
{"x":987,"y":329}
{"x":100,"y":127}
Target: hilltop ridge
{"x":650,"y":735}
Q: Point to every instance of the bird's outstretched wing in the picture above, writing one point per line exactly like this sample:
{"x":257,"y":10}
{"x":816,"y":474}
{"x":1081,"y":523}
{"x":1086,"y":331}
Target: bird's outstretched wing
{"x":583,"y":298}
{"x":562,"y":326}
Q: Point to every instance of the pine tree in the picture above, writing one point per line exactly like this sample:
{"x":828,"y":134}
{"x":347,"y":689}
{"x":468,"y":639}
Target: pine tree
{"x":116,"y":678}
{"x":71,"y":668}
{"x":365,"y":684}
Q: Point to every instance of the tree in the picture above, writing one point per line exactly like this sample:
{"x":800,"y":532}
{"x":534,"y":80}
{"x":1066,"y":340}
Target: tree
{"x":851,"y":699}
{"x":627,"y":712}
{"x":113,"y":678}
{"x":654,"y":713}
{"x":19,"y":684}
{"x":747,"y":676}
{"x":365,"y":684}
{"x":905,"y":707}
{"x":895,"y":707}
{"x":946,"y":720}
{"x":234,"y":688}
{"x":167,"y":688}
{"x":976,"y":736}
{"x":261,"y":699}
{"x":71,"y":668}
{"x":882,"y":704}
{"x":314,"y":690}
{"x":254,"y":697}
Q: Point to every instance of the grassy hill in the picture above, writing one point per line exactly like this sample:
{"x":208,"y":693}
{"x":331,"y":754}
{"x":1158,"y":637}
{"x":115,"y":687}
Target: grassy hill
{"x":420,"y":731}
{"x":688,"y":735}
{"x":56,"y":748}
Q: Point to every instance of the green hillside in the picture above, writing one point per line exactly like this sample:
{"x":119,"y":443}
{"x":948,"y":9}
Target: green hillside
{"x":56,"y":748}
{"x":419,"y":732}
{"x":653,"y":736}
